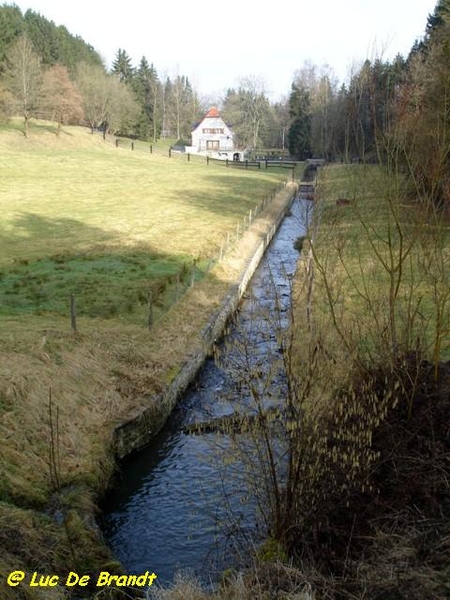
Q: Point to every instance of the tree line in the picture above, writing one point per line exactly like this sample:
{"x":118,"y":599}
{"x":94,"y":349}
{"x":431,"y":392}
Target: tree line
{"x":399,"y":105}
{"x":389,"y":110}
{"x":45,"y":72}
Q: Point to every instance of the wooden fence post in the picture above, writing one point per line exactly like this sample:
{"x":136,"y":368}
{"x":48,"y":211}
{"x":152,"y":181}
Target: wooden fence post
{"x":170,"y":152}
{"x":73,"y":314}
{"x":151,"y":149}
{"x":117,"y":143}
{"x":132,"y":145}
{"x":177,"y":287}
{"x":150,"y":309}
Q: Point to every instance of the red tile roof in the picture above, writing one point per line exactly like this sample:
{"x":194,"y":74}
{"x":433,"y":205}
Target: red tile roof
{"x":212,"y":112}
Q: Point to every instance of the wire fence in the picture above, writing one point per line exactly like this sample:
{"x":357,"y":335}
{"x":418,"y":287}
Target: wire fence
{"x":151,"y":302}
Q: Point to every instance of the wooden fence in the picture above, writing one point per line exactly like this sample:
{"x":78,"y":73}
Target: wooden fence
{"x":284,"y":164}
{"x":267,"y":163}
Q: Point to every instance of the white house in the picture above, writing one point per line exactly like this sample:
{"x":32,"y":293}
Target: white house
{"x":213,"y":137}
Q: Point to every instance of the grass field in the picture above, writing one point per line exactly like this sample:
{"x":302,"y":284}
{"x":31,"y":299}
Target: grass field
{"x":382,"y":261}
{"x":80,"y":216}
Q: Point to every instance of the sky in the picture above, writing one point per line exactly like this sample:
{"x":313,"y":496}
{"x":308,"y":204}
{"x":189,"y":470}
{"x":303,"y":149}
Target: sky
{"x":217,"y":44}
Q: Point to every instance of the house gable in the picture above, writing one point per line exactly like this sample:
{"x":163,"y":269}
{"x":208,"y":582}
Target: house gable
{"x":212,"y":134}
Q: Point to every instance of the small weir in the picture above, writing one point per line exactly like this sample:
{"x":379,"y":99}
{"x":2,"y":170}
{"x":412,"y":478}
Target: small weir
{"x":178,"y":505}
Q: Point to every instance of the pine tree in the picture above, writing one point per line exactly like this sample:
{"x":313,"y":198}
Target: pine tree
{"x":147,"y":87}
{"x":122,"y":66}
{"x":11,"y":27}
{"x":43,"y":36}
{"x":441,"y":12}
{"x":300,"y":130}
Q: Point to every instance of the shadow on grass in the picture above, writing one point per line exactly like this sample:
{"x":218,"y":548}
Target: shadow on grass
{"x":39,"y":231}
{"x":108,"y":280}
{"x":234,"y":195}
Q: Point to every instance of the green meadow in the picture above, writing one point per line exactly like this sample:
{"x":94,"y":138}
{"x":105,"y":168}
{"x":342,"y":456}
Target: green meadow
{"x":109,"y":224}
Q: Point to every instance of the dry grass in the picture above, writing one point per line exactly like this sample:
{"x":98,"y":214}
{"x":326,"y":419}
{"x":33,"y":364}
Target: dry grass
{"x":372,"y":511}
{"x":96,"y":378}
{"x":110,"y":369}
{"x":269,"y":581}
{"x":378,"y":493}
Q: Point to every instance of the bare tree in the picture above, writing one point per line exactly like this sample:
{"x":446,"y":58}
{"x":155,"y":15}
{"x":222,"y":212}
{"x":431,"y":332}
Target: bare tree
{"x":92,"y":82}
{"x":254,"y":104}
{"x":122,"y":107}
{"x":23,"y":78}
{"x":247,"y":108}
{"x":61,"y":100}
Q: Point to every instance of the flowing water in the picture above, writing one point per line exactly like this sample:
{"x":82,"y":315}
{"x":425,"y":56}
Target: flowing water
{"x":180,"y":504}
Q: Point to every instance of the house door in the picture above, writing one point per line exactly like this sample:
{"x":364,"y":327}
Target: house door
{"x":212,"y":145}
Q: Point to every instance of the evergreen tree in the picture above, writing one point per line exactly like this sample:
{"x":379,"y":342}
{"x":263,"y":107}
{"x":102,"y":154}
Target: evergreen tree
{"x":11,"y":27}
{"x":300,"y":129}
{"x":122,"y":66}
{"x":43,"y":36}
{"x":53,"y":45}
{"x":74,"y":50}
{"x":440,"y":14}
{"x":147,"y":87}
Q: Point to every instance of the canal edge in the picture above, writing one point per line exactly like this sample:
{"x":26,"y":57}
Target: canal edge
{"x":134,"y":434}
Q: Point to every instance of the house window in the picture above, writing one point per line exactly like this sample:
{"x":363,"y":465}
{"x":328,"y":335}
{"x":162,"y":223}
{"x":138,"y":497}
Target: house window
{"x":213,"y":130}
{"x":212,"y":145}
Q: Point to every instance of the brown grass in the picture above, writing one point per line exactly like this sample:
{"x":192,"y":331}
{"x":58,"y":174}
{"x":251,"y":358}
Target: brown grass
{"x":97,"y":378}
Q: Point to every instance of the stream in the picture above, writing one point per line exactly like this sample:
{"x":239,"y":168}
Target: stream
{"x":181,"y":504}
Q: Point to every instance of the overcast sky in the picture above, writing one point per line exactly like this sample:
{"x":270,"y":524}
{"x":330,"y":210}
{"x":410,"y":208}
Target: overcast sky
{"x":217,"y":43}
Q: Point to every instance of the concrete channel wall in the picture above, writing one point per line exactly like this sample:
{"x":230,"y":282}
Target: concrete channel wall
{"x":136,"y":433}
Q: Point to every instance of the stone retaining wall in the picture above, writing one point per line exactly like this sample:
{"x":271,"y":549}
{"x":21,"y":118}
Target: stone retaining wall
{"x":136,"y":433}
